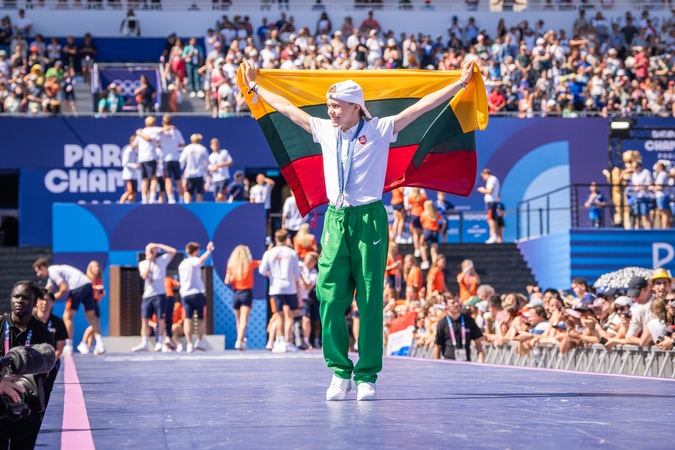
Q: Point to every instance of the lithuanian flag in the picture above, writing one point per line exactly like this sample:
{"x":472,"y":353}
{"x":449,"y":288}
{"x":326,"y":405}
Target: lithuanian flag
{"x":437,"y":151}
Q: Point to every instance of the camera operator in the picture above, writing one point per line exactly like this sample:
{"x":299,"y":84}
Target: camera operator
{"x":57,"y":328}
{"x":20,"y":328}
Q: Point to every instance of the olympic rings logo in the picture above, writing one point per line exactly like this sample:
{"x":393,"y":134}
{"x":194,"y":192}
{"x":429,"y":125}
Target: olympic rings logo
{"x":128,"y":86}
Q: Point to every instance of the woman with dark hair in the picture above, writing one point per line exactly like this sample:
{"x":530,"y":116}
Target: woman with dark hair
{"x":324,"y":25}
{"x":145,"y":96}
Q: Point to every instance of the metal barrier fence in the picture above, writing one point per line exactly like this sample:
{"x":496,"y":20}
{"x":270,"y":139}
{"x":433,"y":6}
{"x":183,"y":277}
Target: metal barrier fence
{"x":624,"y":359}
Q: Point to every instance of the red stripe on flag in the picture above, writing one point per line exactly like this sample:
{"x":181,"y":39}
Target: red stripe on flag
{"x":453,"y":172}
{"x":399,"y":159}
{"x":312,"y":192}
{"x":401,"y":323}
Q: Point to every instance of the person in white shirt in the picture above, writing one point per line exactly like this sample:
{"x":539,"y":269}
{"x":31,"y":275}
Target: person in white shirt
{"x":130,"y":171}
{"x":219,"y":170}
{"x":171,"y":142}
{"x":660,"y":189}
{"x":73,"y":285}
{"x":262,"y":193}
{"x":192,"y":292}
{"x":291,"y":219}
{"x":308,"y":303}
{"x":194,"y":161}
{"x":22,"y":24}
{"x":153,"y":271}
{"x":641,"y":181}
{"x":492,"y":197}
{"x":355,"y":154}
{"x":146,"y":143}
{"x":280,"y":264}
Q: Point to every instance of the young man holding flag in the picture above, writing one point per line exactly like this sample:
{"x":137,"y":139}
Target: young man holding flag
{"x":356,"y":233}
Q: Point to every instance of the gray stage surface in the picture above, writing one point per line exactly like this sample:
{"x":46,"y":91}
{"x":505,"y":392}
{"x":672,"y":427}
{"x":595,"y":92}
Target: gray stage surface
{"x":259,"y":400}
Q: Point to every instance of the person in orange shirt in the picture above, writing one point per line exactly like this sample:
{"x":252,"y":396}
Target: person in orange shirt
{"x":430,"y":223}
{"x":170,"y":284}
{"x":416,"y":201}
{"x":177,"y":323}
{"x":240,"y":269}
{"x":413,"y":274}
{"x":397,"y":204}
{"x":392,"y":273}
{"x":304,"y":242}
{"x":436,"y":277}
{"x":95,"y":274}
{"x":468,"y":281}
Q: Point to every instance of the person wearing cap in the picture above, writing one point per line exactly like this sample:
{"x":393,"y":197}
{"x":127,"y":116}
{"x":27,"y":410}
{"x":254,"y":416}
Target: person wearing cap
{"x":536,"y":320}
{"x":355,"y":153}
{"x":237,"y":191}
{"x":660,"y":282}
{"x":194,"y":161}
{"x":640,"y":293}
{"x":455,"y":333}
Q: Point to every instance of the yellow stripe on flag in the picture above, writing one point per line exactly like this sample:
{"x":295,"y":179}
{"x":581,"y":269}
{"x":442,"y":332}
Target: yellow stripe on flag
{"x":308,"y":88}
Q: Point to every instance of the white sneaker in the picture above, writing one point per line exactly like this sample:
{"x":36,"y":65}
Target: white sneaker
{"x":199,"y":345}
{"x":190,"y":348}
{"x":166,"y":349}
{"x":338,"y":389}
{"x":179,"y":347}
{"x":83,"y":348}
{"x":366,"y":391}
{"x":237,"y":345}
{"x":492,"y":240}
{"x":68,"y":350}
{"x":417,"y":253}
{"x":99,"y":349}
{"x":279,"y":347}
{"x":200,"y":94}
{"x":158,"y":347}
{"x":244,"y":344}
{"x":140,"y":348}
{"x":193,"y":94}
{"x":409,"y":240}
{"x":424,"y":265}
{"x":269,"y":346}
{"x":291,"y":347}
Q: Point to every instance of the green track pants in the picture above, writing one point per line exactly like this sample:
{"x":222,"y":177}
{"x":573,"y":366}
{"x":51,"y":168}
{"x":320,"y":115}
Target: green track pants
{"x":354,"y":256}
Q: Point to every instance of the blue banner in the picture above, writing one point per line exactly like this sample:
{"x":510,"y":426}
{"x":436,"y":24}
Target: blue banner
{"x":129,"y":80}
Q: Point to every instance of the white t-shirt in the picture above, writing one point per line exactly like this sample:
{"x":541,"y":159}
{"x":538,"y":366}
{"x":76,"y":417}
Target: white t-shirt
{"x":661,"y":180}
{"x":129,"y":163}
{"x":309,"y":276}
{"x":170,"y":141}
{"x":293,"y":217}
{"x":369,"y":166}
{"x":492,"y":183}
{"x":221,"y":173}
{"x":73,"y":277}
{"x":281,"y":263}
{"x":194,"y":160}
{"x":260,"y":193}
{"x":154,"y":283}
{"x":642,"y":178}
{"x":147,"y":150}
{"x":190,"y":275}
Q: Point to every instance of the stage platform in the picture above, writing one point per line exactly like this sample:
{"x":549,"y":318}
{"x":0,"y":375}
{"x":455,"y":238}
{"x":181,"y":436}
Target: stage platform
{"x":256,"y":399}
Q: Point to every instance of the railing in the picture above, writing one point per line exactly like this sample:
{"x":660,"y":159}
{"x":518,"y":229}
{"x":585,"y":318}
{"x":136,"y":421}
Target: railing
{"x":564,"y":208}
{"x":330,"y":5}
{"x":624,"y":360}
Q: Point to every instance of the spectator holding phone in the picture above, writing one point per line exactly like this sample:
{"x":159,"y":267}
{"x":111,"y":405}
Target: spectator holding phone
{"x":468,"y":281}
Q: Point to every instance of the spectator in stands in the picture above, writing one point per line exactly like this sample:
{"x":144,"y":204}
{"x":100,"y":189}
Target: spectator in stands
{"x":415,"y":203}
{"x":291,"y":219}
{"x":130,"y":171}
{"x":468,"y":281}
{"x":660,"y":189}
{"x":595,"y":204}
{"x":146,"y":95}
{"x":153,"y":271}
{"x":309,"y":305}
{"x":304,"y":242}
{"x":455,"y":333}
{"x":262,"y":193}
{"x":430,"y":220}
{"x":194,"y":161}
{"x":412,"y":274}
{"x":22,"y":24}
{"x":640,"y":292}
{"x":130,"y":25}
{"x":113,"y":102}
{"x":240,"y":268}
{"x":436,"y":277}
{"x":641,"y":181}
{"x":491,"y":194}
{"x":193,"y":55}
{"x":86,"y":51}
{"x":393,"y":271}
{"x":237,"y":191}
{"x":496,"y":322}
{"x":5,"y":34}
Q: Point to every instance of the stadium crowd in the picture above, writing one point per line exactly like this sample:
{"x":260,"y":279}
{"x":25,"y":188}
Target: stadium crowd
{"x":601,"y":67}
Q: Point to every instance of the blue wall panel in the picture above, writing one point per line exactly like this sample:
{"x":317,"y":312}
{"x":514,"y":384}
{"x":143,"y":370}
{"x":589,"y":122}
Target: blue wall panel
{"x":549,"y":259}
